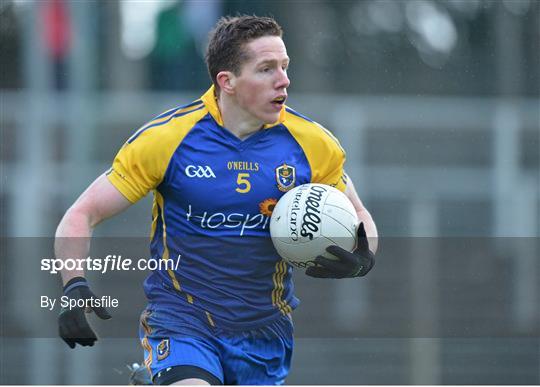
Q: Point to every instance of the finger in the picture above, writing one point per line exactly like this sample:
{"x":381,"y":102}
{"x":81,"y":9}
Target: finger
{"x":336,"y":267}
{"x":69,"y":333}
{"x":84,"y":332}
{"x":85,"y":335}
{"x":87,"y":342}
{"x":345,"y":256}
{"x":361,"y":233}
{"x":69,"y":342}
{"x":74,"y":329}
{"x":319,"y":272}
{"x":362,"y":243}
{"x":63,"y":334}
{"x":102,"y":312}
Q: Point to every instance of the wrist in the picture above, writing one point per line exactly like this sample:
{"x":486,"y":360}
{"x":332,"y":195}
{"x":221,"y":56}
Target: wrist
{"x":75,"y":283}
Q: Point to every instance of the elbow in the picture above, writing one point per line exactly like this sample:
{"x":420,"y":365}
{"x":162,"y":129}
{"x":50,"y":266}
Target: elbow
{"x":76,"y":222}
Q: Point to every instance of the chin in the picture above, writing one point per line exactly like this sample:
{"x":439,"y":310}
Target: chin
{"x":270,"y":119}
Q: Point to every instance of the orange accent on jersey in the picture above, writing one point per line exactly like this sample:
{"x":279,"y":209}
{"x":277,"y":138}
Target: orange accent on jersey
{"x":267,"y":206}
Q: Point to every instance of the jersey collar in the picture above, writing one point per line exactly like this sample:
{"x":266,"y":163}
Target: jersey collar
{"x":210,"y":101}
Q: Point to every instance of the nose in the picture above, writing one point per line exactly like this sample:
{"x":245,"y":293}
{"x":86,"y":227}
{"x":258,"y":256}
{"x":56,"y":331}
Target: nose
{"x":283,"y":80}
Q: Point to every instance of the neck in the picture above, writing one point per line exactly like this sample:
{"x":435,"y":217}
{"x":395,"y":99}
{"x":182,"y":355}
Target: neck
{"x":237,"y":120}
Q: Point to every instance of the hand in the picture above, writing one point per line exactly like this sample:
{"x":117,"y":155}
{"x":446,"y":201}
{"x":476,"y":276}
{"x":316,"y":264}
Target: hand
{"x":355,"y":264}
{"x":72,"y":323}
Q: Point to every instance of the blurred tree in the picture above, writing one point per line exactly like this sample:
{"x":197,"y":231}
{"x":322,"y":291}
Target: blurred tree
{"x":175,"y":61}
{"x":10,"y":47}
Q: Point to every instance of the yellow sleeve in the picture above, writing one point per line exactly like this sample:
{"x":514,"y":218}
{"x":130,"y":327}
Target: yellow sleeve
{"x":138,"y":167}
{"x":141,"y":163}
{"x":323,"y":151}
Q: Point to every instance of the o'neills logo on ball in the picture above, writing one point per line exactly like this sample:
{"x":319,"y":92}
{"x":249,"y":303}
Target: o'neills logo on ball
{"x":312,"y":215}
{"x":293,"y":218}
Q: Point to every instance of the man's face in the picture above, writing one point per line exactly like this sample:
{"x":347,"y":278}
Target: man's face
{"x":261,"y":87}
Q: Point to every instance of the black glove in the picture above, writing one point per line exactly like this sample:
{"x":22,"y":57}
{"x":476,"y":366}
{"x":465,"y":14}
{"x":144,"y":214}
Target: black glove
{"x":72,"y":323}
{"x":355,"y":264}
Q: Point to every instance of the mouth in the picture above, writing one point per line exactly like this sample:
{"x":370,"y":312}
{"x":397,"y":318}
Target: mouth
{"x":279,"y":101}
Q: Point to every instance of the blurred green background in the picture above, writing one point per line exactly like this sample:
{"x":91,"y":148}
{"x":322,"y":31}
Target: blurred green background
{"x":437,"y":104}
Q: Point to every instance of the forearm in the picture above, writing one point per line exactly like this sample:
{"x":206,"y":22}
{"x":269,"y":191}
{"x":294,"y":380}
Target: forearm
{"x":363,"y":216}
{"x":72,"y":240}
{"x":371,"y":229}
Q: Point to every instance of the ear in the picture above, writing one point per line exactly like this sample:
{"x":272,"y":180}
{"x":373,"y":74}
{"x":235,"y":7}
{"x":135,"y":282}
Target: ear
{"x":226,"y":81}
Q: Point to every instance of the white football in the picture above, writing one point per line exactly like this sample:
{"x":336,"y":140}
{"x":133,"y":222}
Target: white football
{"x":308,"y":219}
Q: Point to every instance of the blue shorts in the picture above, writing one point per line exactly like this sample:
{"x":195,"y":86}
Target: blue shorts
{"x":258,"y":356}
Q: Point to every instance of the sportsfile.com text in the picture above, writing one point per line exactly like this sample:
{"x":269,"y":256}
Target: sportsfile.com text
{"x":109,"y":263}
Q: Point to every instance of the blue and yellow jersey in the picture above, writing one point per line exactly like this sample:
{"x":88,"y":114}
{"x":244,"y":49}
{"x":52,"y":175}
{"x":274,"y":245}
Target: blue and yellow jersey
{"x":213,"y":197}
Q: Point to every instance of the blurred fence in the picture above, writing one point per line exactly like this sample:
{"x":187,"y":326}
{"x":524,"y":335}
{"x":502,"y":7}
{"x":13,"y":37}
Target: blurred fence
{"x":427,"y":166}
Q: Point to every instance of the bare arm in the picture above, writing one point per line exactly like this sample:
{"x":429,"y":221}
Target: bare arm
{"x":100,"y":201}
{"x":364,"y":216}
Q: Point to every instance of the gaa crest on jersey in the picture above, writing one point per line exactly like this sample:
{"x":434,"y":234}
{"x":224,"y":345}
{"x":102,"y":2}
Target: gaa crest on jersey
{"x":163,"y":349}
{"x":285,"y":177}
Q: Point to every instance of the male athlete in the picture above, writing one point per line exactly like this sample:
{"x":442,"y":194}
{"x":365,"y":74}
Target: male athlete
{"x":216,"y":167}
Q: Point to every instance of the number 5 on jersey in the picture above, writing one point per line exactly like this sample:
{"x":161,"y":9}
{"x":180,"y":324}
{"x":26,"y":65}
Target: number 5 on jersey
{"x":244,"y":185}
